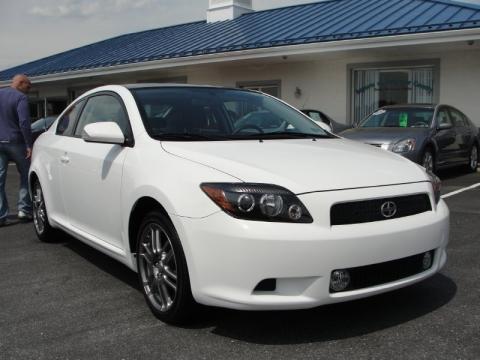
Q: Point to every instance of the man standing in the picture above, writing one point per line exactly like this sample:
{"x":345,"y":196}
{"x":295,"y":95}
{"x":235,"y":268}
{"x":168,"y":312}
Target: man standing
{"x":15,"y":143}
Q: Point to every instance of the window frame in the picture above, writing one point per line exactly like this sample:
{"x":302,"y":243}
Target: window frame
{"x":129,"y":138}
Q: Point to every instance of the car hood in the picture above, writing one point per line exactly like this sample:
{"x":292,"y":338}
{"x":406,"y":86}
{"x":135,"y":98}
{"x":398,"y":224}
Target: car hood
{"x":384,"y":135}
{"x":302,"y":165}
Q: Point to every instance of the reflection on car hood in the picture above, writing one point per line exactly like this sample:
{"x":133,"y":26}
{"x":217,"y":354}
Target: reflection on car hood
{"x":302,"y":165}
{"x":384,"y":135}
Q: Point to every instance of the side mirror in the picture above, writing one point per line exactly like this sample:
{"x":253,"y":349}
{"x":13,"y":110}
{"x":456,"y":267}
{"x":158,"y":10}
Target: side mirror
{"x":444,"y":126}
{"x":103,"y":132}
{"x":323,"y":125}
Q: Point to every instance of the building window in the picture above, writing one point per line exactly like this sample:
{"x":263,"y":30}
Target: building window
{"x":271,"y":87}
{"x":381,"y":86}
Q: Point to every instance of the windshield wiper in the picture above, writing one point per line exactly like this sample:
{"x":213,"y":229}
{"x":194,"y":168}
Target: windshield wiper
{"x":288,"y":135}
{"x":185,"y":137}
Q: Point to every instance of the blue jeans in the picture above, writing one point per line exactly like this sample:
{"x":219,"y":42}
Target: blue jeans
{"x":15,"y":153}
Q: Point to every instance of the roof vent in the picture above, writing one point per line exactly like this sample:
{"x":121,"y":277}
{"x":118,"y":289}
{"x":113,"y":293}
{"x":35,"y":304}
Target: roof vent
{"x":221,"y":10}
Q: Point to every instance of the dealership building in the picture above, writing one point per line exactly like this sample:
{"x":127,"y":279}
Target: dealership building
{"x":344,"y":57}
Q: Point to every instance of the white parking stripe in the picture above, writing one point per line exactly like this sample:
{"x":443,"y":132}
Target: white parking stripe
{"x":460,"y":191}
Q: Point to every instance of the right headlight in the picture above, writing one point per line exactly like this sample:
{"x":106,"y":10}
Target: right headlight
{"x":260,"y":202}
{"x":436,"y":186}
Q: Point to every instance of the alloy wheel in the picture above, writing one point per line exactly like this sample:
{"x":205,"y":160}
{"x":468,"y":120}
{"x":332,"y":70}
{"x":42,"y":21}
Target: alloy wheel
{"x":158,"y":267}
{"x":474,"y":158}
{"x":39,"y":210}
{"x":428,"y":162}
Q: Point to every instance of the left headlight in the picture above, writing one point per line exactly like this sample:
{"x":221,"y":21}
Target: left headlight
{"x":260,"y":202}
{"x":436,"y":186}
{"x":404,"y":146}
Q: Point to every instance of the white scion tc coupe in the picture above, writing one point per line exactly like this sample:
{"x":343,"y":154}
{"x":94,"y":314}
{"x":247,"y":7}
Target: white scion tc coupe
{"x":233,"y":198}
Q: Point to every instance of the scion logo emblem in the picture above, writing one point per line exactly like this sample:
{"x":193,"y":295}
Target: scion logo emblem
{"x":388,"y":209}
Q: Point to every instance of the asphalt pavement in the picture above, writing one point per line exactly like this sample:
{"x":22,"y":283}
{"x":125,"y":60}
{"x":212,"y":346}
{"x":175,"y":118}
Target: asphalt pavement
{"x":68,"y":301}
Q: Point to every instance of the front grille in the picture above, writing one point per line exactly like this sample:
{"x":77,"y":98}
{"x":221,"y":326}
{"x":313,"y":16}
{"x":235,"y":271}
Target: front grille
{"x":371,"y":210}
{"x":383,"y":273}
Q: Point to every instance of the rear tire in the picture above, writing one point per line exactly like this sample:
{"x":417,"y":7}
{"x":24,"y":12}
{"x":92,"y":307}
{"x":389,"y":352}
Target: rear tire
{"x":428,"y":161}
{"x":44,"y":231}
{"x":162,"y":270}
{"x":473,"y":159}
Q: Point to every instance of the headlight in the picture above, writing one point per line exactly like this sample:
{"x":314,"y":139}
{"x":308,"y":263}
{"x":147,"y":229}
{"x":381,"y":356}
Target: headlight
{"x":260,"y":202}
{"x":436,"y":186}
{"x":404,"y":146}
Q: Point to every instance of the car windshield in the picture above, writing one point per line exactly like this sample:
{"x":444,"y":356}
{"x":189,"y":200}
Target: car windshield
{"x":43,"y":123}
{"x":399,"y":118}
{"x":206,"y":114}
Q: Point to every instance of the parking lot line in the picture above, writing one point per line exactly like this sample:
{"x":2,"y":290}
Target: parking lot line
{"x":460,"y":191}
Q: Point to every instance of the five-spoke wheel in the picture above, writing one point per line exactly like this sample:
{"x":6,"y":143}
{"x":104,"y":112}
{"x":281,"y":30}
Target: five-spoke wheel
{"x":162,"y":269}
{"x":40,"y":217}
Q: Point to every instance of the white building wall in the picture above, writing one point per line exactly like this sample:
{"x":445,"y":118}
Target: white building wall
{"x":324,"y":82}
{"x":460,"y":83}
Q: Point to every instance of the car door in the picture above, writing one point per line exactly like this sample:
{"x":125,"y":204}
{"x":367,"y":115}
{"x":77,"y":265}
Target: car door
{"x":92,"y":172}
{"x":464,"y":134}
{"x":446,"y":138}
{"x":56,"y":150}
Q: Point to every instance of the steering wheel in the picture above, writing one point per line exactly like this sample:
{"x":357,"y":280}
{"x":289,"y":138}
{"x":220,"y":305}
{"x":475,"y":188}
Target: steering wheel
{"x":248,"y":126}
{"x":420,"y":124}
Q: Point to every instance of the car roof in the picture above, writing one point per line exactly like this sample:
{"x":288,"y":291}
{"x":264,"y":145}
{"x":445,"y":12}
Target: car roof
{"x":169,"y":85}
{"x":412,"y":106}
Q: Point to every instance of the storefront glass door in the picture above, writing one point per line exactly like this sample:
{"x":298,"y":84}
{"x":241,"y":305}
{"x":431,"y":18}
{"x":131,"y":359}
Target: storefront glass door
{"x":374,"y":88}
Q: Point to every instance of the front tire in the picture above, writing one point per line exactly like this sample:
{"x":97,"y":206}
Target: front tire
{"x":44,"y":231}
{"x":162,"y":270}
{"x":473,"y":159}
{"x":428,"y":161}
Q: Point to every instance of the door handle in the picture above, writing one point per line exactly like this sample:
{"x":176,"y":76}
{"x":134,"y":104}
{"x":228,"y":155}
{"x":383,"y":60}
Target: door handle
{"x":64,"y":159}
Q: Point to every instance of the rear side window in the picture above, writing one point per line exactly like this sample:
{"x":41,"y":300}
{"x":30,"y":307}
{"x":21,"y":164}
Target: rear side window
{"x":103,"y":108}
{"x":67,"y":121}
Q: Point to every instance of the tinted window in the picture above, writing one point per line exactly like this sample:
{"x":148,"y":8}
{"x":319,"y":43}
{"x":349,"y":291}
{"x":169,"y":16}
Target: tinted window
{"x":443,"y":117}
{"x":399,"y":118}
{"x":217,"y":114}
{"x":67,"y":121}
{"x":457,"y":118}
{"x":102,"y":108}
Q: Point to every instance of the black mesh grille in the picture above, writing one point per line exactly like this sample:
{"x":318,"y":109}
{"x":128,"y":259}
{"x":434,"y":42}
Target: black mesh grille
{"x":371,"y":210}
{"x":383,"y":273}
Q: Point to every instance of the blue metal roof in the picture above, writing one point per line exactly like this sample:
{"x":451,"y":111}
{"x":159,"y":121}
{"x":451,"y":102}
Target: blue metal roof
{"x":330,"y":20}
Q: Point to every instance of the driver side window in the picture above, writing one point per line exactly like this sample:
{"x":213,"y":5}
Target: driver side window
{"x":102,"y":108}
{"x":443,"y":117}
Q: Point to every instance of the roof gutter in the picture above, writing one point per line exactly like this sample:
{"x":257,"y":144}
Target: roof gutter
{"x":259,"y":53}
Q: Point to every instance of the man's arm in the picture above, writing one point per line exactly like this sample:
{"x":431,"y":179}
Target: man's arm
{"x":24,"y":122}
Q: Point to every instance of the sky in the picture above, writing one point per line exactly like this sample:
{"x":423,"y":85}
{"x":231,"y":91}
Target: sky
{"x":33,"y":29}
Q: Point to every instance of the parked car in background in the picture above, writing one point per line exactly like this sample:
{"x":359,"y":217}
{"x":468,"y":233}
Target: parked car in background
{"x":41,"y":125}
{"x":434,"y":136}
{"x":321,"y":117}
{"x":266,"y":213}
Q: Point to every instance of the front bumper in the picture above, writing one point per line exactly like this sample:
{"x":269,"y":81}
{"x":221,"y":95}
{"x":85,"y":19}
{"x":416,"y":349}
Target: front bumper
{"x":228,"y":258}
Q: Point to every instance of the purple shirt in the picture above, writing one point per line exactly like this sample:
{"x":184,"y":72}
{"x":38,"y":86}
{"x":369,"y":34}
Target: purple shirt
{"x":15,"y":124}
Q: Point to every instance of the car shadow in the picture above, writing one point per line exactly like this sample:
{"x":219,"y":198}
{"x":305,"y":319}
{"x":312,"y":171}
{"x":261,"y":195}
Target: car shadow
{"x":453,"y":173}
{"x":325,"y":323}
{"x":332,"y":322}
{"x":101,"y":261}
